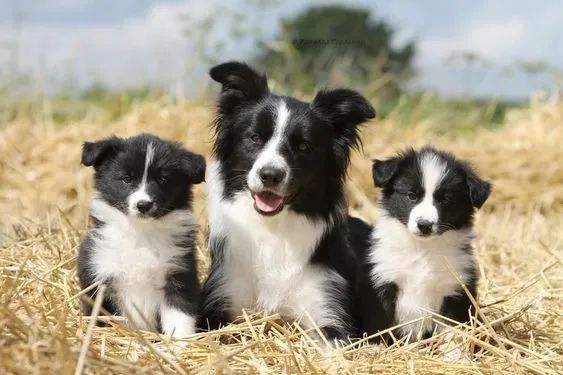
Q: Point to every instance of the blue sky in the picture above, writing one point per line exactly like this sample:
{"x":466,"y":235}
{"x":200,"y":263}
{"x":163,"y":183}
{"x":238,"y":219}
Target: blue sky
{"x":134,"y":42}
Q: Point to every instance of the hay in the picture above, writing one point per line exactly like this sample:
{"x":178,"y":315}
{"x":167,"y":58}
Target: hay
{"x":44,"y":203}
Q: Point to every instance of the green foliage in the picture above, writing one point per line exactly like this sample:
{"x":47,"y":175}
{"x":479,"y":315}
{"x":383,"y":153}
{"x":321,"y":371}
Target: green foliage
{"x":99,"y":104}
{"x":95,"y":103}
{"x":335,"y":45}
{"x":117,"y":103}
{"x":459,"y":116}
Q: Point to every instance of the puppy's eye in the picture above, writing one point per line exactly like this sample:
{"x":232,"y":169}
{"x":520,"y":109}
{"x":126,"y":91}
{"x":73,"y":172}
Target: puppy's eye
{"x":256,"y":138}
{"x":411,"y":195}
{"x":162,"y":180}
{"x":445,"y":199}
{"x":126,"y":179}
{"x":304,"y":147}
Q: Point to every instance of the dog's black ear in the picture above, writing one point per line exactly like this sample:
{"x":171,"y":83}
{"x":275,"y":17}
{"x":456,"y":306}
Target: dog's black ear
{"x":240,"y":83}
{"x":383,"y":170}
{"x":95,"y":153}
{"x":479,"y":189}
{"x":193,"y":166}
{"x":345,"y":109}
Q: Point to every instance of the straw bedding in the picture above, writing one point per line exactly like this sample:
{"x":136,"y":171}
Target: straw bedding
{"x":44,"y":195}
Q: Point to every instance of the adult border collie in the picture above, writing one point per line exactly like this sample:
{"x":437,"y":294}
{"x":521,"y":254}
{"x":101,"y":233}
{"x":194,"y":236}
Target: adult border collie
{"x":276,"y":205}
{"x":421,"y":243}
{"x":142,"y":244}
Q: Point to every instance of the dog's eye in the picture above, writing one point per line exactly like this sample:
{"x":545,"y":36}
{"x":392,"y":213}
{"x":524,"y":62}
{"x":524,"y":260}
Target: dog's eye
{"x":445,"y":199}
{"x":303,"y":147}
{"x":256,"y":138}
{"x":411,"y":195}
{"x":162,"y":180}
{"x":126,"y":179}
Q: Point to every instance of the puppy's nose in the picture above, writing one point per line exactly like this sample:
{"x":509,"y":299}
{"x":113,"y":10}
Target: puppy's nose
{"x":424,"y":226}
{"x":144,"y":206}
{"x":271,"y":176}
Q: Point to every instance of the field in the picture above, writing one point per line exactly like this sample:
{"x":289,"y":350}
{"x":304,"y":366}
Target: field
{"x":44,"y":196}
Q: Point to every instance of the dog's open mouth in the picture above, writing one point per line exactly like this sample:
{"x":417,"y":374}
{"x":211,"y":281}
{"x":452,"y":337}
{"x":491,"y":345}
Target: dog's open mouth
{"x":267,"y":203}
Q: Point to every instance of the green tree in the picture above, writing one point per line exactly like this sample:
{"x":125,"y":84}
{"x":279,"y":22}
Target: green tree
{"x":336,"y":45}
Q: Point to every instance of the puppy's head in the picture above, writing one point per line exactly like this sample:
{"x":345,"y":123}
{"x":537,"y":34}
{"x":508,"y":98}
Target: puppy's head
{"x":281,"y":151}
{"x":429,"y":191}
{"x":143,"y":176}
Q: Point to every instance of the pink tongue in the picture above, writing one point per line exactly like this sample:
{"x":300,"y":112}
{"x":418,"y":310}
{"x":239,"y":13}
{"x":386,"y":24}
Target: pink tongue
{"x":267,"y":201}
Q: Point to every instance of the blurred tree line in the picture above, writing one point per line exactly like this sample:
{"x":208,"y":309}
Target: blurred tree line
{"x":324,"y":46}
{"x":338,"y":46}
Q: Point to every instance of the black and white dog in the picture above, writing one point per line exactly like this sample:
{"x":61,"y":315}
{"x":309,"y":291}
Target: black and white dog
{"x":421,"y":243}
{"x":276,"y":206}
{"x":142,"y":241}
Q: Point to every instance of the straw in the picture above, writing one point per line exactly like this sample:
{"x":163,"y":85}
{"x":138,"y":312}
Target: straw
{"x":44,"y":198}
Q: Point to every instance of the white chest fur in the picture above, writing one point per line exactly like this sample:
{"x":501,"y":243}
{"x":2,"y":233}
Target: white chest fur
{"x":136,"y":257}
{"x":424,"y":270}
{"x":266,"y":259}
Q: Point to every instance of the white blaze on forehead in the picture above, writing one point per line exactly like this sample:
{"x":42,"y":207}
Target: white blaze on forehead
{"x":141,"y":193}
{"x":270,"y":154}
{"x":433,"y":171}
{"x":148,"y":160}
{"x":282,"y":118}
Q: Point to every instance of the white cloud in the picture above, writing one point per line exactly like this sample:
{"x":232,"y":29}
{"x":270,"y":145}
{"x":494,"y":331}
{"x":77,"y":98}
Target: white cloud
{"x":496,"y":41}
{"x":147,"y":49}
{"x":151,"y":48}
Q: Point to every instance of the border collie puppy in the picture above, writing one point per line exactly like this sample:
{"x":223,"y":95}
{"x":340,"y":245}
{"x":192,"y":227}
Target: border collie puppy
{"x":420,"y":244}
{"x":277,"y":212}
{"x":142,"y":242}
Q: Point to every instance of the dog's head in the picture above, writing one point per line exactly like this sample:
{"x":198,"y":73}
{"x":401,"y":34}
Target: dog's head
{"x":143,"y":176}
{"x":282,"y":151}
{"x":429,"y":191}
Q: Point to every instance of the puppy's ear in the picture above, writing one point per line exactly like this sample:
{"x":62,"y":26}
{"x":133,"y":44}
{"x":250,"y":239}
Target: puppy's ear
{"x":193,"y":166}
{"x":383,"y":170}
{"x":345,"y":109}
{"x":95,"y":153}
{"x":479,"y":189}
{"x":240,"y":83}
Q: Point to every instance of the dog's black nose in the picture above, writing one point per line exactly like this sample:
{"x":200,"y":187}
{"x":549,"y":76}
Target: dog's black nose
{"x":271,"y":176}
{"x":144,"y":206}
{"x":424,"y":226}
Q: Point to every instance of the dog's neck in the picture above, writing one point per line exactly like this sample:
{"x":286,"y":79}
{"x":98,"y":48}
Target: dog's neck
{"x":177,"y":223}
{"x":391,"y":232}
